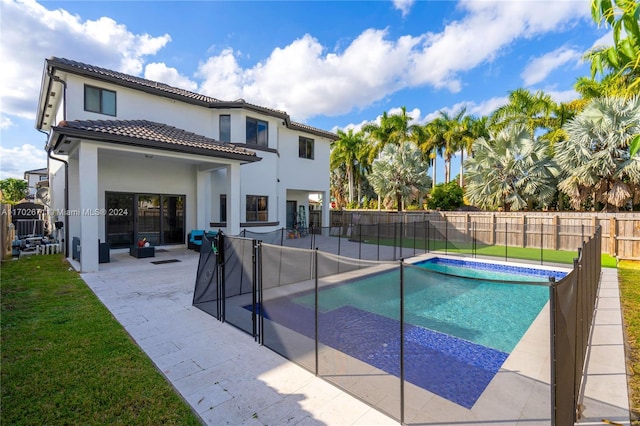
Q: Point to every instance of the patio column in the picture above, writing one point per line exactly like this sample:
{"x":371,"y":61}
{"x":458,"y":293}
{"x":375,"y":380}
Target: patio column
{"x":203,"y":199}
{"x":88,"y":203}
{"x":234,"y":199}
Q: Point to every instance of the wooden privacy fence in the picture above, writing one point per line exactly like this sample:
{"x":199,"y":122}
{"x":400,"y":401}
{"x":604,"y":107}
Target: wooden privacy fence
{"x":553,"y":230}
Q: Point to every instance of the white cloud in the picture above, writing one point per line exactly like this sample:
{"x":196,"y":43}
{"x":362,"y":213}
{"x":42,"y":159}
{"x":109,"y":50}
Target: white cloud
{"x":164,"y":74}
{"x":539,"y":68}
{"x":403,"y":5}
{"x":562,"y":96}
{"x":31,"y":33}
{"x":487,"y":28}
{"x":5,"y":122}
{"x":604,"y":41}
{"x":15,"y":161}
{"x":305,"y":79}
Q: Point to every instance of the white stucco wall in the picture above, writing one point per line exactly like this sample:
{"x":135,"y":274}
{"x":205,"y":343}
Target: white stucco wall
{"x":273,"y":176}
{"x":137,"y":105}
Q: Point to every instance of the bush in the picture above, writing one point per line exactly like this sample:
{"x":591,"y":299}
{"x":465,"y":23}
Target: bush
{"x":446,"y":196}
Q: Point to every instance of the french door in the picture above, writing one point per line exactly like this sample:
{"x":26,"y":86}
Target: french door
{"x":131,"y":217}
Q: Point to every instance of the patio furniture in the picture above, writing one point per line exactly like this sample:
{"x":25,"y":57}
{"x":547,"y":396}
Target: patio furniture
{"x":142,"y":252}
{"x":195,"y":239}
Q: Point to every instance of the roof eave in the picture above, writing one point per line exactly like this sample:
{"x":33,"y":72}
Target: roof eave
{"x":146,"y":143}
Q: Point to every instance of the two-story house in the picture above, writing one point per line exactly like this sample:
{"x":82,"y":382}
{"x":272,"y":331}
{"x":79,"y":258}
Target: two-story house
{"x":131,"y":158}
{"x":36,"y":179}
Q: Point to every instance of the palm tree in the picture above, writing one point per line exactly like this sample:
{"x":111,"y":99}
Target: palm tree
{"x":433,"y":144}
{"x":393,"y":129}
{"x":345,"y":152}
{"x":595,"y":159}
{"x":622,"y":59}
{"x":510,"y":171}
{"x":449,"y":133}
{"x":399,"y":173}
{"x":477,"y":128}
{"x":533,"y":111}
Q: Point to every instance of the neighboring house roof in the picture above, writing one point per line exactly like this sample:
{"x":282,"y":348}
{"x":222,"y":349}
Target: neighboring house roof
{"x":161,"y":89}
{"x":42,"y":171}
{"x":149,"y":134}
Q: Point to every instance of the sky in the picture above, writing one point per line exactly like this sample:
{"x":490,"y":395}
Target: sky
{"x":328,"y":64}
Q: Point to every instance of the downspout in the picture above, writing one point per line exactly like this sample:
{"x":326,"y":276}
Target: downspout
{"x":66,"y":164}
{"x":66,"y":193}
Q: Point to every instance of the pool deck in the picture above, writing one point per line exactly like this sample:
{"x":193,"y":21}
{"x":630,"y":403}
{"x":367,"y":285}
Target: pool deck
{"x":229,"y":379}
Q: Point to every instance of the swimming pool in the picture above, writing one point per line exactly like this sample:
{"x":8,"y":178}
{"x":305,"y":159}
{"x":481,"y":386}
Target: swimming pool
{"x":458,"y":331}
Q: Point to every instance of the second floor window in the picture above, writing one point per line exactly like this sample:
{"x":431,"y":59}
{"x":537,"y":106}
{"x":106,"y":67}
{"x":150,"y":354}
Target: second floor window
{"x":225,"y":128}
{"x":257,"y":132}
{"x":99,"y":100}
{"x":305,"y":148}
{"x":257,"y":208}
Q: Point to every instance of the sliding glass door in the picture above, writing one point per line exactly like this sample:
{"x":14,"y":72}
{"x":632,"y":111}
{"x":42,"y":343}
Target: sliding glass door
{"x":157,"y":217}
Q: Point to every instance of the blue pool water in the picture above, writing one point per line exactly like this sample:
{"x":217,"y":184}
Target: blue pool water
{"x":458,"y":331}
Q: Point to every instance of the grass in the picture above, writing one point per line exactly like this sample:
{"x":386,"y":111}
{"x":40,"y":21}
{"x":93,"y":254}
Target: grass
{"x":552,"y":256}
{"x":629,"y":280}
{"x":66,"y":360}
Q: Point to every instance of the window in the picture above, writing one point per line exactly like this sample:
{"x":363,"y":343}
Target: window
{"x":257,"y":208}
{"x":99,"y":100}
{"x":225,"y":128}
{"x":305,"y":148}
{"x":223,"y":207}
{"x":43,"y":177}
{"x":257,"y":132}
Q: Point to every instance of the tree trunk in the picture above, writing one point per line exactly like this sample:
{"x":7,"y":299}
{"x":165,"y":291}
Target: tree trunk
{"x":399,"y":201}
{"x":350,"y":178}
{"x":433,"y":183}
{"x":462,"y":168}
{"x":447,"y":169}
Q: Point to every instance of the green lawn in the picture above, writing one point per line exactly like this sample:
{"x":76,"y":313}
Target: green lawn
{"x":66,"y":360}
{"x":535,"y":254}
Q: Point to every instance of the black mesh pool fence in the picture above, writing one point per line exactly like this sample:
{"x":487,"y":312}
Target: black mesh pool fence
{"x":357,"y":324}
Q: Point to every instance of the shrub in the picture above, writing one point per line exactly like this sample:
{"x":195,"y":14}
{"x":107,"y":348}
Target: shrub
{"x":446,"y":196}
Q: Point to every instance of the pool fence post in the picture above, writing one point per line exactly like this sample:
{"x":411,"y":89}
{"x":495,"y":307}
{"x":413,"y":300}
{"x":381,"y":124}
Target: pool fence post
{"x":541,"y":243}
{"x":401,"y":235}
{"x":313,"y":238}
{"x":427,"y":243}
{"x":316,"y":308}
{"x":359,"y":241}
{"x":394,"y":239}
{"x":401,"y":341}
{"x":223,"y":280}
{"x":552,"y":333}
{"x":378,"y":225}
{"x":414,"y":238}
{"x":506,"y":237}
{"x":474,"y":243}
{"x":282,"y":236}
{"x":254,"y":289}
{"x":446,"y":238}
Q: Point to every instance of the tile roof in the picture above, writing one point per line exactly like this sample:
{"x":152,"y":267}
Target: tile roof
{"x":151,"y":134}
{"x":37,"y":171}
{"x":138,"y":81}
{"x":174,"y":92}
